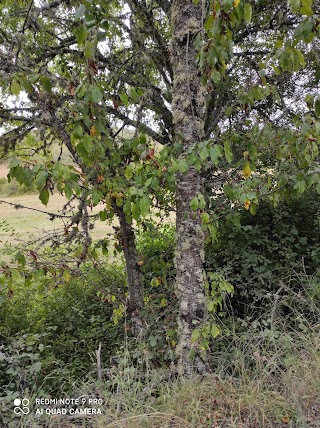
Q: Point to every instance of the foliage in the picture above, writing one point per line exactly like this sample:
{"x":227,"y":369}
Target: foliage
{"x":258,"y":253}
{"x":156,"y":346}
{"x":156,"y":247}
{"x":13,"y":188}
{"x":22,"y":359}
{"x":267,"y":394}
{"x":71,"y":320}
{"x":81,"y":73}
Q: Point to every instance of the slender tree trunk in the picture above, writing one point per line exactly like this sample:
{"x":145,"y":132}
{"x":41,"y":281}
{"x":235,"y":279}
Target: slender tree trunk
{"x":188,"y":113}
{"x":134,"y":275}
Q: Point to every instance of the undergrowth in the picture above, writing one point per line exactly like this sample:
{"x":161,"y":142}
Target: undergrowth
{"x":262,"y":392}
{"x":263,"y":370}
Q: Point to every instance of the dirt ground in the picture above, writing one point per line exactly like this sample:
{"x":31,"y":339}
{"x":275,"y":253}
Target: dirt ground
{"x":4,"y":169}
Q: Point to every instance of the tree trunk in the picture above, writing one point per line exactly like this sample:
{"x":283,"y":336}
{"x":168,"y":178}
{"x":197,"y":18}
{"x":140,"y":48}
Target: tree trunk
{"x":188,"y":115}
{"x":134,"y":275}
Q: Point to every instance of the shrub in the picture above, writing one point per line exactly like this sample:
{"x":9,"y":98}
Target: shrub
{"x":70,"y":318}
{"x":13,"y":188}
{"x":260,"y":252}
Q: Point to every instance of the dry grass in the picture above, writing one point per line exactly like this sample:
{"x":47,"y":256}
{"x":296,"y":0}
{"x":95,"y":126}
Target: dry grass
{"x":261,"y":398}
{"x":29,"y":224}
{"x":287,"y":397}
{"x":23,"y":225}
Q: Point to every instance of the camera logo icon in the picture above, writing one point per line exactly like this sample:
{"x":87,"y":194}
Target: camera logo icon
{"x":24,"y":409}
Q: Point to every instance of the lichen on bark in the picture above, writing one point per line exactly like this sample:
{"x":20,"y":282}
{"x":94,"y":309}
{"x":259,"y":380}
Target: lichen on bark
{"x":134,"y":275}
{"x":188,"y":108}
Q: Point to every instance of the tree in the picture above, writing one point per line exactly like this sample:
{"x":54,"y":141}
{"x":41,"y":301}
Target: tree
{"x":196,"y":77}
{"x":188,"y":110}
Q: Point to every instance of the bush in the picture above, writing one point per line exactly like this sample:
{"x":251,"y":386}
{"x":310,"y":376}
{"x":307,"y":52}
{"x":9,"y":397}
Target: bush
{"x":261,"y":252}
{"x":13,"y":188}
{"x":71,"y":320}
{"x":156,"y":247}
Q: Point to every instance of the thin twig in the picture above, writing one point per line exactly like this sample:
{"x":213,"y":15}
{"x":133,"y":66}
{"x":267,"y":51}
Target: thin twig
{"x":52,"y":215}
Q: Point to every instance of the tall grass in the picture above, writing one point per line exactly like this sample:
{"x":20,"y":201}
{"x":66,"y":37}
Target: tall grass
{"x":281,"y":390}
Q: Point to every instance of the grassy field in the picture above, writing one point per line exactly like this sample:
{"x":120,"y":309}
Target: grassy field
{"x":28,"y":224}
{"x":22,"y":225}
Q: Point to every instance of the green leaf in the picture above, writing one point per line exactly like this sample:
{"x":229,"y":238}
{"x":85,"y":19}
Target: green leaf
{"x":44,"y":196}
{"x":80,"y":11}
{"x":195,"y":335}
{"x":46,"y":83}
{"x":103,"y":215}
{"x":251,"y":195}
{"x":294,"y":5}
{"x":205,"y":218}
{"x":183,"y":166}
{"x":253,"y":208}
{"x":148,"y":181}
{"x":300,"y":57}
{"x":204,"y":153}
{"x":152,"y":341}
{"x":81,"y":34}
{"x":96,"y":94}
{"x":26,"y":85}
{"x":66,"y":275}
{"x":216,"y":152}
{"x":135,"y":211}
{"x":216,"y":76}
{"x":124,"y":98}
{"x":134,"y":94}
{"x":215,"y":331}
{"x":306,"y":11}
{"x":227,"y":151}
{"x":41,"y":180}
{"x":202,"y":202}
{"x":82,"y":152}
{"x":34,"y":78}
{"x":88,"y":50}
{"x":87,"y":143}
{"x":96,"y":197}
{"x":15,"y":87}
{"x":15,"y":275}
{"x":285,"y":60}
{"x":247,"y":13}
{"x":300,"y":186}
{"x":128,"y":173}
{"x":144,"y":205}
{"x":228,"y":111}
{"x":81,"y":90}
{"x":68,"y":191}
{"x":20,"y":258}
{"x":77,"y":131}
{"x":127,"y":207}
{"x":194,"y":203}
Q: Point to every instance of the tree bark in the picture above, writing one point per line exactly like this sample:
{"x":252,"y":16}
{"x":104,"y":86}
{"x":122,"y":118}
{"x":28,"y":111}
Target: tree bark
{"x":134,"y":275}
{"x":188,"y":115}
